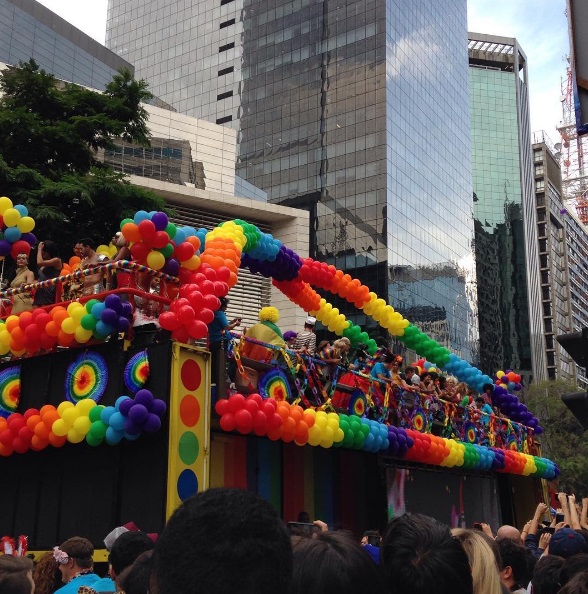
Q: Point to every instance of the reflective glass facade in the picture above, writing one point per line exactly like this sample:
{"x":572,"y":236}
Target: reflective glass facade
{"x":29,"y":30}
{"x":510,"y":312}
{"x":356,"y":111}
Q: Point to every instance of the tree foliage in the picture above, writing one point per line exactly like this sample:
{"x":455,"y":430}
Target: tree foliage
{"x":50,"y":133}
{"x":564,"y":439}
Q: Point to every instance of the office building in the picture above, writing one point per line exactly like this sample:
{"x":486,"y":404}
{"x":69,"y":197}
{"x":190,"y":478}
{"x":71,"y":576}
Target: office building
{"x":507,"y":258}
{"x":29,"y":30}
{"x":354,"y":111}
{"x":554,"y":256}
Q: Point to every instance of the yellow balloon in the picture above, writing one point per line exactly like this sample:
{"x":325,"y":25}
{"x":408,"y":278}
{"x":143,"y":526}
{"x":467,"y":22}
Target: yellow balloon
{"x":4,"y":349}
{"x":103,"y":249}
{"x":64,"y":406}
{"x":69,"y":325}
{"x":192,"y":263}
{"x":82,"y":425}
{"x":26,"y":224}
{"x":155,"y":260}
{"x":69,"y":416}
{"x":11,"y":216}
{"x":82,"y":335}
{"x":5,"y":204}
{"x":59,"y":427}
{"x":5,"y":338}
{"x":85,"y":406}
{"x":74,"y":436}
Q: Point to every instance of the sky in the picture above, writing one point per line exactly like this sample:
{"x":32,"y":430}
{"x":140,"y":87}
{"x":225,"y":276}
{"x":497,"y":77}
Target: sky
{"x":540,"y":27}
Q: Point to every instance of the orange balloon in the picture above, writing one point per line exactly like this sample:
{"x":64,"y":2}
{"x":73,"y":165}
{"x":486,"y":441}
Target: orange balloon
{"x":59,"y":317}
{"x":131,"y":232}
{"x":194,"y":241}
{"x":232,"y":279}
{"x":56,"y":440}
{"x":52,"y":329}
{"x":17,"y":334}
{"x":41,"y":430}
{"x":39,"y":443}
{"x":50,"y":417}
{"x":11,"y":324}
{"x":56,"y":310}
{"x":65,"y":339}
{"x":74,"y":260}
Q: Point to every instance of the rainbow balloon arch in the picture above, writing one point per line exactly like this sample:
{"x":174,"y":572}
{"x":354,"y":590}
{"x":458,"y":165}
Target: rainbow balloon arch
{"x":204,"y":265}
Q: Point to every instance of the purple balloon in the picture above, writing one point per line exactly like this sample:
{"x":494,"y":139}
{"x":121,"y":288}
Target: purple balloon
{"x":113,"y":302}
{"x":138,"y":413}
{"x":160,"y":220}
{"x":109,"y":316}
{"x":4,"y":248}
{"x":126,"y":309}
{"x":144,"y":397}
{"x":171,"y":267}
{"x":29,"y":238}
{"x":152,"y":423}
{"x":131,"y":428}
{"x":158,"y":407}
{"x":122,"y":325}
{"x":125,"y":406}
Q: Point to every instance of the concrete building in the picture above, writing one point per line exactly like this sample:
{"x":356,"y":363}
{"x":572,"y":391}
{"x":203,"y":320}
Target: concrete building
{"x":29,"y":30}
{"x":507,"y":259}
{"x":554,"y":256}
{"x":355,"y":111}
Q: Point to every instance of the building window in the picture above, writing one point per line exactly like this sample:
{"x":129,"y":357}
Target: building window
{"x":539,"y":184}
{"x":539,"y":169}
{"x":224,"y":119}
{"x":226,"y":70}
{"x":223,"y":2}
{"x":224,"y":95}
{"x":538,"y":155}
{"x":228,"y":46}
{"x":227,"y":23}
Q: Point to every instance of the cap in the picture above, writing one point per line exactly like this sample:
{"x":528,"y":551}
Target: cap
{"x":310,"y":321}
{"x":566,"y":543}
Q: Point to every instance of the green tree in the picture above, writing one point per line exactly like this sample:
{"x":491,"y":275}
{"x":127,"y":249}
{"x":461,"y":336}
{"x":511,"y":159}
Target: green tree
{"x":50,"y":135}
{"x":564,"y":439}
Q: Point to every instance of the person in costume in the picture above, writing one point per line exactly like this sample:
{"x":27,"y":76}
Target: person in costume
{"x":218,"y":339}
{"x":265,"y":331}
{"x":306,"y":340}
{"x":24,"y":276}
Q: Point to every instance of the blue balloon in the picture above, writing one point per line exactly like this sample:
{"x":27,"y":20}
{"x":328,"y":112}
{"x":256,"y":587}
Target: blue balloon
{"x":12,"y":234}
{"x":141,"y":215}
{"x":103,"y":329}
{"x":113,"y":437}
{"x":22,"y":209}
{"x":119,"y":400}
{"x":180,"y":237}
{"x":117,"y":421}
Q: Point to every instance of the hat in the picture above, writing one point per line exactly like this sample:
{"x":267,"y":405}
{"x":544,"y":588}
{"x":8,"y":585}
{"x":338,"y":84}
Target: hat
{"x":289,"y":335}
{"x":566,"y":543}
{"x":310,"y":321}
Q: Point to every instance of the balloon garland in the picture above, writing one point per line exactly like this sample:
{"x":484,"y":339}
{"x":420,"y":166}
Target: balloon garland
{"x":16,"y":226}
{"x":288,"y":422}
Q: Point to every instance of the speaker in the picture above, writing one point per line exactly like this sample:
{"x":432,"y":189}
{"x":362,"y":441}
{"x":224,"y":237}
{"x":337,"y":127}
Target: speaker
{"x":577,"y":402}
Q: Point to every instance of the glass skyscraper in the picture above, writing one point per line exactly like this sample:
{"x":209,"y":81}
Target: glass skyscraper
{"x":29,"y":30}
{"x":356,"y":111}
{"x":507,"y":255}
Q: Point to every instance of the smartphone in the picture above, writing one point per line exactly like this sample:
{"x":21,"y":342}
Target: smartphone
{"x":549,"y":529}
{"x":477,"y":526}
{"x":302,"y":528}
{"x":559,"y":518}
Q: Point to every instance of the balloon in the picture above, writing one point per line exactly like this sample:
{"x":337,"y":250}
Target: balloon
{"x":160,"y":221}
{"x":11,"y":216}
{"x":155,"y":260}
{"x":5,"y":204}
{"x":147,"y":229}
{"x":26,"y":224}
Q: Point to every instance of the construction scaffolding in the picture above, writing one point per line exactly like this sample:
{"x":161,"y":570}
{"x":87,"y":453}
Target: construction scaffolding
{"x":574,"y":152}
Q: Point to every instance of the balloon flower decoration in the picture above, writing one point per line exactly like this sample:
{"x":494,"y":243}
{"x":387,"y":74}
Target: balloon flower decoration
{"x":508,"y":403}
{"x":16,"y":229}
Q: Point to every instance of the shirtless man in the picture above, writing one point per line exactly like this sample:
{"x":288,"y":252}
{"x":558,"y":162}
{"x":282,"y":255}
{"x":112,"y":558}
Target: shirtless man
{"x":92,"y":282}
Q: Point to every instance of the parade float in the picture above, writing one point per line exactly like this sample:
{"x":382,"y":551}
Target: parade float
{"x":99,"y":427}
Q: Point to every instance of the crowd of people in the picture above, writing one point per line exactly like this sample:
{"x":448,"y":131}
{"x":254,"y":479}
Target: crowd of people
{"x":226,"y":541}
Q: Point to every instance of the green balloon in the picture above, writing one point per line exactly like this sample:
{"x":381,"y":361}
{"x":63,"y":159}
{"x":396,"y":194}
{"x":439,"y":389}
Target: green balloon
{"x":90,"y":304}
{"x":171,"y":230}
{"x":88,"y":322}
{"x":94,"y":414}
{"x":124,"y":222}
{"x":167,"y":251}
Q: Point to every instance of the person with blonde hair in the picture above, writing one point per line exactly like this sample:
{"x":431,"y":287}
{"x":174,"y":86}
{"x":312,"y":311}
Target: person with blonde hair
{"x":482,"y":561}
{"x":265,"y":332}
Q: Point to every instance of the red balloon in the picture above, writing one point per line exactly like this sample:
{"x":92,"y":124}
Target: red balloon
{"x":205,"y":315}
{"x":210,"y":273}
{"x":260,"y":423}
{"x":184,"y":275}
{"x":221,"y":407}
{"x":147,"y":229}
{"x":184,"y":251}
{"x":236,"y":402}
{"x":20,"y":445}
{"x":211,"y":302}
{"x":244,"y":421}
{"x":207,"y":287}
{"x":198,"y":329}
{"x":227,"y":422}
{"x":220,"y":288}
{"x":33,"y":333}
{"x":42,"y":319}
{"x":160,"y":239}
{"x":251,"y":405}
{"x":47,"y":341}
{"x":274,"y":422}
{"x":20,"y":247}
{"x":6,"y":437}
{"x":223,"y":274}
{"x":186,"y":314}
{"x":169,"y":321}
{"x":181,"y":334}
{"x":140,"y":251}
